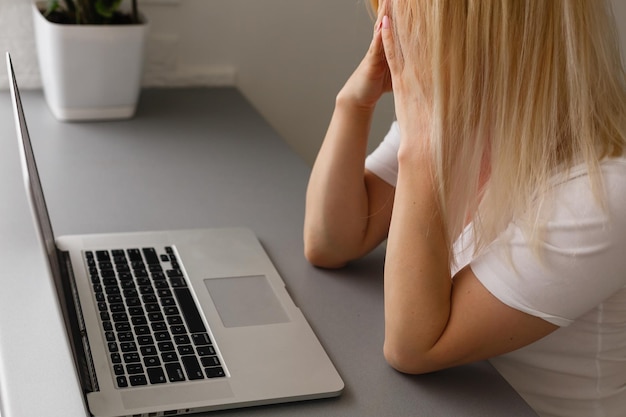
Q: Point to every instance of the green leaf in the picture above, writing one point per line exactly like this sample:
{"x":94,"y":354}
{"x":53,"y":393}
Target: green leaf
{"x":106,"y":8}
{"x":51,"y":6}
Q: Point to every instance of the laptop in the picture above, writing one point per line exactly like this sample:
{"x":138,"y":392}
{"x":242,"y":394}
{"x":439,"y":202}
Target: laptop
{"x":175,"y":322}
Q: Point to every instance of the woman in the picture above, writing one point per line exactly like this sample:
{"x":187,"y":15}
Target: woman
{"x":501,"y":192}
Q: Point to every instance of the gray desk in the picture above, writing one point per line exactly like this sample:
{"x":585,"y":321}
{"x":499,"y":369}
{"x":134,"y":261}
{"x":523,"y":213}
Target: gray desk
{"x":197,"y":158}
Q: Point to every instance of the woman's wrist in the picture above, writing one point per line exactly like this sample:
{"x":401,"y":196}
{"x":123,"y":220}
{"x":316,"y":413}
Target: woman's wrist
{"x":353,"y":98}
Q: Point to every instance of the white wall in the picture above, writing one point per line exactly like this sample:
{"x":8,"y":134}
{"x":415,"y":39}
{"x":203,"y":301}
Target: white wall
{"x":289,"y":57}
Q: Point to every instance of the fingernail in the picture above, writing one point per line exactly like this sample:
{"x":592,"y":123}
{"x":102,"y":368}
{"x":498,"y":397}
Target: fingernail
{"x":385,"y":22}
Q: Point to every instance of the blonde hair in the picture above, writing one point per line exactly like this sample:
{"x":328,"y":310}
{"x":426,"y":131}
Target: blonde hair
{"x":526,"y":88}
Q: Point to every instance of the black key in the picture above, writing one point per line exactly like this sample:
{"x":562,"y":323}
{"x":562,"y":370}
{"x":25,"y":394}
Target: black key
{"x":174,"y":372}
{"x":206,"y":350}
{"x":162,"y":336}
{"x":171,"y":311}
{"x":190,"y":311}
{"x":116,"y":358}
{"x":113,"y":299}
{"x":178,"y":330}
{"x":215,"y":372}
{"x":122,"y":382}
{"x":132,"y":357}
{"x":128,"y":347}
{"x":209,"y":361}
{"x":109,"y":282}
{"x":145,"y":340}
{"x":174,"y":273}
{"x":122,"y":327}
{"x":107,"y":326}
{"x":125,"y":276}
{"x":136,"y":380}
{"x":155,"y":317}
{"x":168,"y":302}
{"x":158,"y":326}
{"x":129,"y":288}
{"x":103,"y":256}
{"x":105,"y":265}
{"x":151,"y":256}
{"x":153,"y":308}
{"x":146,"y":289}
{"x":117,"y":317}
{"x":117,"y":308}
{"x":156,"y":376}
{"x":142,"y":330}
{"x":151,"y":361}
{"x":158,"y":276}
{"x":149,"y":298}
{"x":142,"y":281}
{"x":107,"y":273}
{"x":112,"y":347}
{"x":178,"y":282}
{"x":134,"y":369}
{"x":134,"y":255}
{"x":182,"y":340}
{"x":174,"y":320}
{"x":164,"y":292}
{"x":165,"y":346}
{"x":169,"y":357}
{"x":185,"y":350}
{"x":201,"y":339}
{"x":192,"y":367}
{"x":149,"y":350}
{"x":139,"y":321}
{"x":118,"y":369}
{"x":125,"y":337}
{"x":135,"y":311}
{"x":133,"y":302}
{"x":112,"y":290}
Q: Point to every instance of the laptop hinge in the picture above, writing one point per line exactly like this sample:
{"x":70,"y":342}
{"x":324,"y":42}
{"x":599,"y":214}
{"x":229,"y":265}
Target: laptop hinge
{"x":78,"y":334}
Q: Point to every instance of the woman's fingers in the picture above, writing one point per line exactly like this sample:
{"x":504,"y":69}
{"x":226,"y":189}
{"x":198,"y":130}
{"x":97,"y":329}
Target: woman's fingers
{"x":394,"y":59}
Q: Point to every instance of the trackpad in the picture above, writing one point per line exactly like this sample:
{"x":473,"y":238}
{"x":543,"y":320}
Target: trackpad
{"x":245,"y":301}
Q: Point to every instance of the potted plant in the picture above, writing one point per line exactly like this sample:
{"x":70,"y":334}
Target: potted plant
{"x":91,"y":55}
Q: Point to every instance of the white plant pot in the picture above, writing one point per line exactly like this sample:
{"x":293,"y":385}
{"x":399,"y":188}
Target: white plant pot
{"x":90,"y":72}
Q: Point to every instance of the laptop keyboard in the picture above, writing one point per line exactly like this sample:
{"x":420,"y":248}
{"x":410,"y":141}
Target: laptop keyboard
{"x":151,"y":324}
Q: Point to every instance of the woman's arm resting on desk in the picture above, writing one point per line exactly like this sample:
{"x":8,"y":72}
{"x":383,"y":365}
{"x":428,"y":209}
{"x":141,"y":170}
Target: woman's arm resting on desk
{"x":348,"y":209}
{"x":431,"y":320}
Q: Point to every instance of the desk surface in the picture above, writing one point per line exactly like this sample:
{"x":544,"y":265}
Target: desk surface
{"x":198,"y":158}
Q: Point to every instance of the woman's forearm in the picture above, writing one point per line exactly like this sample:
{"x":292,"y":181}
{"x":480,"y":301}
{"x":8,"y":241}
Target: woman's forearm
{"x":417,"y":274}
{"x":336,"y":201}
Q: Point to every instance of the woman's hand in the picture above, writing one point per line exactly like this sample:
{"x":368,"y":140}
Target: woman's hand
{"x":371,"y":79}
{"x":412,"y":108}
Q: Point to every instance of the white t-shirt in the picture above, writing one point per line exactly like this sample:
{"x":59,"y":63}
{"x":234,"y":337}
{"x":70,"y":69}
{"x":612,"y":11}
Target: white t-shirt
{"x":578,"y":284}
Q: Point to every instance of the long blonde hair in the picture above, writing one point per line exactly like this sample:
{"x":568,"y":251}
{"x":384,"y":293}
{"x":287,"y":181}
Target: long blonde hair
{"x":521,"y":91}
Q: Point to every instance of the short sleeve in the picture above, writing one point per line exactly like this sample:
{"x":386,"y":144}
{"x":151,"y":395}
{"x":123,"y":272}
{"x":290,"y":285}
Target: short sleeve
{"x":384,"y":160}
{"x":581,"y":259}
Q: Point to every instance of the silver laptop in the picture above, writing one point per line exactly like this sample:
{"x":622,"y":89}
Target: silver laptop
{"x":176,"y":322}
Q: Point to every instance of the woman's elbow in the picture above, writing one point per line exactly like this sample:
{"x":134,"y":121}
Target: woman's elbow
{"x":322,"y":257}
{"x":407,"y":360}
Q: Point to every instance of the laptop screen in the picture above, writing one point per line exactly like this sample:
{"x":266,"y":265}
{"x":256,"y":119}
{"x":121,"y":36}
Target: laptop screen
{"x":33,"y":184}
